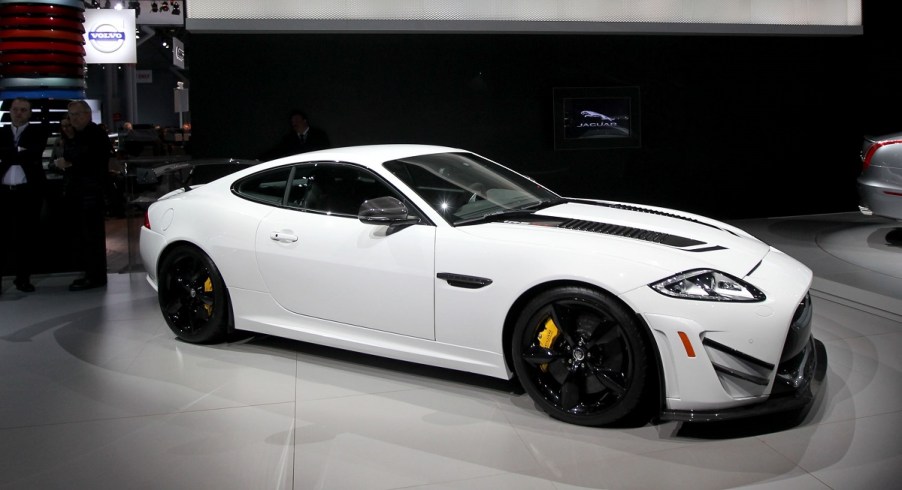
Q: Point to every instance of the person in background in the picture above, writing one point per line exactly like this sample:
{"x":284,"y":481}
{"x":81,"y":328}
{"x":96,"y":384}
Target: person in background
{"x":67,"y":132}
{"x":300,"y":139}
{"x":85,"y":168}
{"x":21,"y":191}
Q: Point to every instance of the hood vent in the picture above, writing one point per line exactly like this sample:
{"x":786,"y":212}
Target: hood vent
{"x":637,"y":234}
{"x":639,"y":209}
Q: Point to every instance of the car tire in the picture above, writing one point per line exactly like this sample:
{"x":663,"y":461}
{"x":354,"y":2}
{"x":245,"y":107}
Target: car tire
{"x":581,"y":356}
{"x":193,"y":297}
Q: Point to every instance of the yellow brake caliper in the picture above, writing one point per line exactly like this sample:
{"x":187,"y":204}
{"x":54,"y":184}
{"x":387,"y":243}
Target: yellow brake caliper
{"x":208,"y":288}
{"x":546,"y":338}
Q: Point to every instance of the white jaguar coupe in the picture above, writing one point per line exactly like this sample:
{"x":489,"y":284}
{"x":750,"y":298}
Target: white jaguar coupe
{"x":433,"y":255}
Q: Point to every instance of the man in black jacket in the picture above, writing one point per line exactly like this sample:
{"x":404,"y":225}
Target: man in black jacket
{"x":300,"y":139}
{"x":85,"y":166}
{"x":21,"y":190}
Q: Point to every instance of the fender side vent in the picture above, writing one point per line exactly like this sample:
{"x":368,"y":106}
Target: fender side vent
{"x":463,"y":281}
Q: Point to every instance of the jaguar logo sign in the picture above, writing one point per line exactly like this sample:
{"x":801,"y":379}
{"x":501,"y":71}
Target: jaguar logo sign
{"x":594,"y":119}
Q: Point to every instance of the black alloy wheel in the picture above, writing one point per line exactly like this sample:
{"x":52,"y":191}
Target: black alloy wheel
{"x":581,"y":356}
{"x":193,"y":297}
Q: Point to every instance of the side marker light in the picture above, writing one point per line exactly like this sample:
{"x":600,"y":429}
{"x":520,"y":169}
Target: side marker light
{"x":687,"y":344}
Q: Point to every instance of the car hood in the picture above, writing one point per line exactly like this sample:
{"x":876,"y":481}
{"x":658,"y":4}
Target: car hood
{"x":658,"y":237}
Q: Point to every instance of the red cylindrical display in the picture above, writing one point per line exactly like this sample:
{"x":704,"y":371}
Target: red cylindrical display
{"x":42,"y":47}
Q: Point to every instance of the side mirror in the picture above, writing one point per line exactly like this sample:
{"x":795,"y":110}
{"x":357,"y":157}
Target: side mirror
{"x":385,"y":211}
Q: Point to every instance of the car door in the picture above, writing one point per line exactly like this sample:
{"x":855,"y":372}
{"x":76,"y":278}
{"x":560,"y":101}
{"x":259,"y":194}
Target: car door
{"x":319,"y":260}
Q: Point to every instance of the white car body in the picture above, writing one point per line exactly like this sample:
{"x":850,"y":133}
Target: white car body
{"x":337,"y":281}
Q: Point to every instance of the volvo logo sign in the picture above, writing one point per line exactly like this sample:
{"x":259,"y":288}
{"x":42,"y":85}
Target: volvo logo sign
{"x":106,"y":38}
{"x":109,"y":36}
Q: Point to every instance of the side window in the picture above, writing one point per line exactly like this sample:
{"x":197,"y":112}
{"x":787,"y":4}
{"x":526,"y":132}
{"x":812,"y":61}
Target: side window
{"x":299,"y":186}
{"x":266,"y":187}
{"x":336,"y":188}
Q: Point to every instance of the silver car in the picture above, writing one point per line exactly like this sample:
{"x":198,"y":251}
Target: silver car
{"x":880,"y":182}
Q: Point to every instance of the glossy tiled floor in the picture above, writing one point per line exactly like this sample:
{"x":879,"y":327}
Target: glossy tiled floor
{"x":96,"y":393}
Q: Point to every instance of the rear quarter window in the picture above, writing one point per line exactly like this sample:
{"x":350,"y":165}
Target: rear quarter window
{"x":266,"y":187}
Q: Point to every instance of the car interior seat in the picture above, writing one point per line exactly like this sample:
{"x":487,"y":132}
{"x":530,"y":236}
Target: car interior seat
{"x":333,"y":190}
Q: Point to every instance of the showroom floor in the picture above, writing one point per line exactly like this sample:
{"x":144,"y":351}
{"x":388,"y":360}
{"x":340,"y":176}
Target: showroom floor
{"x":96,"y":393}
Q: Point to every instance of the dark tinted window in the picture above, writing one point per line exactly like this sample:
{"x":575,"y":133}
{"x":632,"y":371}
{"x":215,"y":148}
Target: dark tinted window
{"x":268,"y":187}
{"x":335,"y":188}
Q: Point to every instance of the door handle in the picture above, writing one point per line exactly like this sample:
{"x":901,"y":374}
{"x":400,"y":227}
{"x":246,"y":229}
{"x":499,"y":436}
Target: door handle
{"x":283,"y":237}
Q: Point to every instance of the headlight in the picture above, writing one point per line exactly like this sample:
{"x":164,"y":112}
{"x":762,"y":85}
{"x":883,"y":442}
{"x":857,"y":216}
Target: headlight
{"x":708,"y":285}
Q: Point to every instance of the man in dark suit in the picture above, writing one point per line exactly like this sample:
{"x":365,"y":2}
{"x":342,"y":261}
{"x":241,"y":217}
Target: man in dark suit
{"x":21,"y":190}
{"x":85,"y":168}
{"x":301,"y":139}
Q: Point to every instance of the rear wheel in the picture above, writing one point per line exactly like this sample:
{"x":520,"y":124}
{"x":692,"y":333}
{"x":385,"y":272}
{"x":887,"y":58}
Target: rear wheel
{"x":581,"y":356}
{"x":193,"y":296}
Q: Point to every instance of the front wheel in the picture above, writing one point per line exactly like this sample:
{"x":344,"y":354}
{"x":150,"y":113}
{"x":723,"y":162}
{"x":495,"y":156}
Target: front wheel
{"x":581,"y":356}
{"x":193,"y":296}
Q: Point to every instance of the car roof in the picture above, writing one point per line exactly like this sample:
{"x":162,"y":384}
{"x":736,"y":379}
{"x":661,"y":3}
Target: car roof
{"x":370,"y":156}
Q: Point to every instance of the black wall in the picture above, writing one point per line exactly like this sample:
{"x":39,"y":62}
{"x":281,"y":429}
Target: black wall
{"x":732,"y":127}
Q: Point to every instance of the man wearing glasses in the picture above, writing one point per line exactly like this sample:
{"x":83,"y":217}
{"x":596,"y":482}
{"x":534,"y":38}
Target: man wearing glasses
{"x":21,"y":190}
{"x":85,"y":169}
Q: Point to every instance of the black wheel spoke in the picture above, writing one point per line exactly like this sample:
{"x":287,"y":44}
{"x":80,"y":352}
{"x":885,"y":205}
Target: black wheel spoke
{"x":197,"y":273}
{"x":570,"y":395}
{"x":559,"y":370}
{"x":172,"y":306}
{"x":557,"y":317}
{"x":611,"y":333}
{"x":180,"y":286}
{"x":186,"y":318}
{"x":200,"y":314}
{"x":613,"y":362}
{"x":593,"y":385}
{"x":604,"y":333}
{"x":604,"y":377}
{"x":536,"y":355}
{"x":587,"y":325}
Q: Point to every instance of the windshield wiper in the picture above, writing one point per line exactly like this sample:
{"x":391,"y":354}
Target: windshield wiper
{"x":547,"y":203}
{"x":524,"y":210}
{"x":493,"y":216}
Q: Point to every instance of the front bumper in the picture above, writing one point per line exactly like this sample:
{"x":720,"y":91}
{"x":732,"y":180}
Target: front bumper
{"x":795,"y":389}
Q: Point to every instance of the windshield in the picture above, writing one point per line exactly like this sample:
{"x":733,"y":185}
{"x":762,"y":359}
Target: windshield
{"x":464,"y":187}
